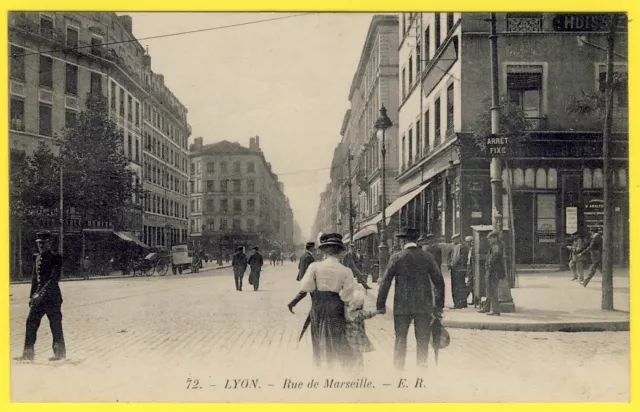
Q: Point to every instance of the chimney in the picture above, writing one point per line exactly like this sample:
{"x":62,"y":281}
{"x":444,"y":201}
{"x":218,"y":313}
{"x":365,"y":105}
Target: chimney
{"x":252,"y":144}
{"x":161,"y":79}
{"x":127,"y":22}
{"x":257,"y":142}
{"x":197,"y":145}
{"x":146,"y":60}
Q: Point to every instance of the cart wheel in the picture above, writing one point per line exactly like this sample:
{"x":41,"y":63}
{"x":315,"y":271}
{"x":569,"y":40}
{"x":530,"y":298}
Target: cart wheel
{"x":147,"y":272}
{"x":162,"y":268}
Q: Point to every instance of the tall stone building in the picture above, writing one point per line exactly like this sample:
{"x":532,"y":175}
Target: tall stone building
{"x":58,"y":60}
{"x":236,"y":199}
{"x":546,"y":61}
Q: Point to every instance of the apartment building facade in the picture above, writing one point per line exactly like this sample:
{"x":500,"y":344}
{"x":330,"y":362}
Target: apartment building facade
{"x":236,"y":199}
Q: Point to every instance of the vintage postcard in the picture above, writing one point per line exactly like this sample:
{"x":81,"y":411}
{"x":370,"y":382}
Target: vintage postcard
{"x":318,"y":207}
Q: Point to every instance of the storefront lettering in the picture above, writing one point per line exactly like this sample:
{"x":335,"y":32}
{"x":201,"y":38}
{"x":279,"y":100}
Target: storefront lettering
{"x":580,"y":22}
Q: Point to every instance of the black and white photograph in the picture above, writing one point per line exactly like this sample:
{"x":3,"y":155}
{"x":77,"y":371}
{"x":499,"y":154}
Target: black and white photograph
{"x":318,"y":207}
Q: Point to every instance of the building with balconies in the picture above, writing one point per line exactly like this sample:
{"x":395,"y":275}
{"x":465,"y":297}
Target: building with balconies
{"x":554,"y":172}
{"x":236,"y":199}
{"x":59,"y":59}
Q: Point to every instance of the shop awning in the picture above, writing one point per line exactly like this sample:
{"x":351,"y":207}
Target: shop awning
{"x":129,"y":237}
{"x":362,"y":233}
{"x":397,"y":204}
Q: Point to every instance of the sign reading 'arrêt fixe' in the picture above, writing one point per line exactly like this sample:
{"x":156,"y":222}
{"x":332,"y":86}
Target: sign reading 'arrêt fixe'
{"x":498,"y":146}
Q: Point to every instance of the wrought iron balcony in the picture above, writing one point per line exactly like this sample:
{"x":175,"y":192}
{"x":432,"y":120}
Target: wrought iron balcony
{"x":523,"y":24}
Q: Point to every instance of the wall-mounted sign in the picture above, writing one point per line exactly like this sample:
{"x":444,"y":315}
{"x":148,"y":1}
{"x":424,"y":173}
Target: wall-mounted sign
{"x":498,"y":146}
{"x":581,"y":22}
{"x":594,"y":214}
{"x":571,"y":220}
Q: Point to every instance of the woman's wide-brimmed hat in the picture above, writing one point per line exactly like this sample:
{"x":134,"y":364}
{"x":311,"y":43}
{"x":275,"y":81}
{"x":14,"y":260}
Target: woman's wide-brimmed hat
{"x":331,"y":239}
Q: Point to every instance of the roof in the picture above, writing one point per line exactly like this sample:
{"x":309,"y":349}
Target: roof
{"x":225,"y":147}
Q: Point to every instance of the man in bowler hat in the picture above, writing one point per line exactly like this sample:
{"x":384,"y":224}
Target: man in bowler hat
{"x":45,"y":299}
{"x":255,"y":263}
{"x":239,"y":263}
{"x":414,"y":271}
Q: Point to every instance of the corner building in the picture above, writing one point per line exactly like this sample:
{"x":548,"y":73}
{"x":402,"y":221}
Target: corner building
{"x":555,"y":171}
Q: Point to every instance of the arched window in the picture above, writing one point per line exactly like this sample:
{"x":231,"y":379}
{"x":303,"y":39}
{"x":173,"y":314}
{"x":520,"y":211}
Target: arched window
{"x":529,"y":178}
{"x":622,"y":177}
{"x":552,"y":178}
{"x":541,"y":179}
{"x":518,"y":178}
{"x":598,"y":180}
{"x":587,"y":179}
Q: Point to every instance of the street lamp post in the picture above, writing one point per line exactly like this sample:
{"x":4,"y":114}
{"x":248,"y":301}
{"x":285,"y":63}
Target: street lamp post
{"x":382,"y":124}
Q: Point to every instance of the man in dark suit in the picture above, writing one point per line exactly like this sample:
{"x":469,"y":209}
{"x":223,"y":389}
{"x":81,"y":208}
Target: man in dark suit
{"x":305,"y":260}
{"x":45,"y":299}
{"x":595,"y":250}
{"x":494,"y":271}
{"x":429,"y":245}
{"x":255,"y":263}
{"x":415,"y":271}
{"x":239,"y":263}
{"x":458,"y":266}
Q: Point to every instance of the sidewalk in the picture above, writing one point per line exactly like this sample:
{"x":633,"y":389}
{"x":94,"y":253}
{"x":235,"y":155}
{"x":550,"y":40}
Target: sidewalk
{"x":118,"y":274}
{"x":545,"y":302}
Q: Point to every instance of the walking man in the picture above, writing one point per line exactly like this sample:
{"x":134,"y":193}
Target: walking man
{"x":576,"y":263}
{"x":255,"y":262}
{"x":239,"y":263}
{"x":350,"y":261}
{"x":470,"y":275}
{"x":305,"y":260}
{"x":595,"y":249}
{"x":458,"y":267}
{"x":415,"y":271}
{"x":45,"y":299}
{"x":494,"y":267}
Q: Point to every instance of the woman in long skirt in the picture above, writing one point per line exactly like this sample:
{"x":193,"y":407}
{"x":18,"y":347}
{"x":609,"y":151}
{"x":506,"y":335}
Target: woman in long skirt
{"x":326,"y":281}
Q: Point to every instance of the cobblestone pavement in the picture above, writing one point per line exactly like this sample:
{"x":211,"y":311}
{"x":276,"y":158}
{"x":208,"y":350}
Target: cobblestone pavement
{"x":194,"y":338}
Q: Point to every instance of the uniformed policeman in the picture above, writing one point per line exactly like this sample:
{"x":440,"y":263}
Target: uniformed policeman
{"x":45,"y":299}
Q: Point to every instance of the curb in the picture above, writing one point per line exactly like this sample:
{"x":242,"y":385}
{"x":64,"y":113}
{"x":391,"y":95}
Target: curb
{"x":585,"y":326}
{"x":22,"y":282}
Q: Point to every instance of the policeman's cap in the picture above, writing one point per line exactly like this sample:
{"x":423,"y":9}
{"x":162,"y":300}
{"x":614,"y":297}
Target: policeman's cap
{"x":256,"y":248}
{"x":43,"y":236}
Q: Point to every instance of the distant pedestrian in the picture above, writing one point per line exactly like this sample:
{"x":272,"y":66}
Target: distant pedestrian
{"x":239,"y":263}
{"x":576,"y":260}
{"x":458,"y":267}
{"x":350,"y":261}
{"x":355,"y":316}
{"x":494,"y":268}
{"x":470,"y":274}
{"x":45,"y":298}
{"x":305,"y":261}
{"x":428,"y":243}
{"x":595,"y":249}
{"x":255,"y":263}
{"x":86,"y":267}
{"x":419,"y":296}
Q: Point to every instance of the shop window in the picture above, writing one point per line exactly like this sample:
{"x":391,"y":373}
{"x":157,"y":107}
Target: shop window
{"x":546,"y":218}
{"x":622,"y":178}
{"x":529,"y":178}
{"x":541,"y":179}
{"x":598,"y":179}
{"x":587,"y":179}
{"x":552,"y":179}
{"x":518,"y":178}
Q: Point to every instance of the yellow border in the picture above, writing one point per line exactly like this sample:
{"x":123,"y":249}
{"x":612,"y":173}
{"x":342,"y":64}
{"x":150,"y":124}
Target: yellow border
{"x":325,"y":5}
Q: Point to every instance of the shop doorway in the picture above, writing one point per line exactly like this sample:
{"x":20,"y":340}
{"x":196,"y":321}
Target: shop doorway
{"x":523,"y":210}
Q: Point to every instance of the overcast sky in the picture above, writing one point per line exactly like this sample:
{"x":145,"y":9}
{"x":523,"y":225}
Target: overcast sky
{"x":287,"y":81}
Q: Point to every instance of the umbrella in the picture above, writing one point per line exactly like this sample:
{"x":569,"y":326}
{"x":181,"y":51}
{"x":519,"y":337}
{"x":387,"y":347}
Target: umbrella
{"x":439,"y":337}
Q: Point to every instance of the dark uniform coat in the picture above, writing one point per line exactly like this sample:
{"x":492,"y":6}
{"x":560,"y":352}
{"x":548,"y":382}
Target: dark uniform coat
{"x":46,"y":275}
{"x":305,"y":260}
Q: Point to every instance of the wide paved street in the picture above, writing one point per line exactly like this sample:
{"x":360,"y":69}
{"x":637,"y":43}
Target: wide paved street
{"x":194,"y":338}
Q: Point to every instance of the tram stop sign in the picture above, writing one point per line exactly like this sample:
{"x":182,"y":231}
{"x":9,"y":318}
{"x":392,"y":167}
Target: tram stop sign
{"x":498,"y":146}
